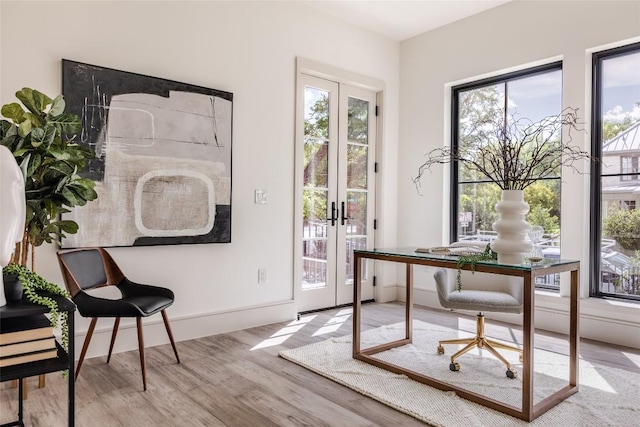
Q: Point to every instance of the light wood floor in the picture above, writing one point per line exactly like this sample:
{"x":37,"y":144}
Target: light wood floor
{"x":237,"y":379}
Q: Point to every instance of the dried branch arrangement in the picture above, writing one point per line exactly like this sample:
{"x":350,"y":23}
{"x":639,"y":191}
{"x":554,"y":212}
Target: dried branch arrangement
{"x":516,"y":154}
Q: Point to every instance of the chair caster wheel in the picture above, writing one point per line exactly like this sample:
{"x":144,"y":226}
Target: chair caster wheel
{"x":440,"y":349}
{"x":511,"y":374}
{"x":454,"y":366}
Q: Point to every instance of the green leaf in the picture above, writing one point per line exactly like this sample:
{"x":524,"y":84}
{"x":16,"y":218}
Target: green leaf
{"x":67,"y":123}
{"x":83,"y":194}
{"x":41,"y":100}
{"x":7,"y":129}
{"x":51,"y":207}
{"x":85,"y":182}
{"x":26,"y":97}
{"x":43,"y":136}
{"x":35,"y":101}
{"x":60,"y":154}
{"x":57,"y":106}
{"x":34,"y":164}
{"x":55,"y":171}
{"x":64,"y":181}
{"x":28,"y":213}
{"x":24,"y":166}
{"x":35,"y":120}
{"x":70,"y":227}
{"x":13,"y":111}
{"x":71,"y":198}
{"x":24,"y":128}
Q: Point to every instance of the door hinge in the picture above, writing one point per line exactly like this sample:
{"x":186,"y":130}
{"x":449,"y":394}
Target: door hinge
{"x":375,"y":224}
{"x":376,"y":111}
{"x":375,"y":167}
{"x":375,"y":280}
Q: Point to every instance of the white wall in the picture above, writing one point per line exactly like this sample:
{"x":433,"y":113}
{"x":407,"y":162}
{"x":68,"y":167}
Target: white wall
{"x":249,"y":49}
{"x":505,"y":38}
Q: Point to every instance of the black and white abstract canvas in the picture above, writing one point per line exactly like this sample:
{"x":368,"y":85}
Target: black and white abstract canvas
{"x":163,"y":158}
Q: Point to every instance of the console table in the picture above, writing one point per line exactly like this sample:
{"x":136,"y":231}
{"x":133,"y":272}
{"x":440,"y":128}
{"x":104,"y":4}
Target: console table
{"x":528,"y":272}
{"x":63,"y":361}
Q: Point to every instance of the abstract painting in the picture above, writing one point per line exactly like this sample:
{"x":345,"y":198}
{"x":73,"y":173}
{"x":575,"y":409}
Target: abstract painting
{"x":163,"y":158}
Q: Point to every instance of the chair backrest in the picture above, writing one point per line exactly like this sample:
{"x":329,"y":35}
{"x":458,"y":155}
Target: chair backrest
{"x":88,"y":268}
{"x":479,"y":285}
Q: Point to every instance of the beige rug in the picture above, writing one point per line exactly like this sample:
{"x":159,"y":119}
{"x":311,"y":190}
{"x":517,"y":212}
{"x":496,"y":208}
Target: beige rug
{"x":607,"y":396}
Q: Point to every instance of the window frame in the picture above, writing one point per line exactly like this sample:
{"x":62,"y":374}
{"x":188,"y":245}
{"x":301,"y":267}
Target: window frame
{"x":455,"y":92}
{"x":595,"y":239}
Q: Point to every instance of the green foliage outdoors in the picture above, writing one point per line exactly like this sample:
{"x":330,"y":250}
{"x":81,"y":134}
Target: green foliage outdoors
{"x":316,"y":166}
{"x":623,"y":226}
{"x":40,"y":135}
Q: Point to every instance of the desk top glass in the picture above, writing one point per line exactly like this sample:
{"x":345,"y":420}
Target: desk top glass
{"x":410,"y":253}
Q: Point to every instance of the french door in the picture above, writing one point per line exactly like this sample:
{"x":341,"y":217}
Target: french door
{"x":337,"y":136}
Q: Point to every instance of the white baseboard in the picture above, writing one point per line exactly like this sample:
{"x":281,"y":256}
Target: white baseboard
{"x":184,"y":328}
{"x":386,"y":293}
{"x":600,"y":320}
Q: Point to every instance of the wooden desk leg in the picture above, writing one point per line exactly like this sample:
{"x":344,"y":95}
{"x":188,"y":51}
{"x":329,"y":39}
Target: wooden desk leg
{"x":42,"y":381}
{"x":573,"y":328}
{"x":528,"y":330}
{"x":357,"y":307}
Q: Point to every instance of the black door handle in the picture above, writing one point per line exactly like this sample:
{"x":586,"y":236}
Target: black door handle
{"x":342,"y":216}
{"x":334,"y":214}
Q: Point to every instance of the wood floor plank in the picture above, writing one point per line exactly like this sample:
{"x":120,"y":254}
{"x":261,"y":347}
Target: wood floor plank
{"x":295,"y":396}
{"x":237,"y":379}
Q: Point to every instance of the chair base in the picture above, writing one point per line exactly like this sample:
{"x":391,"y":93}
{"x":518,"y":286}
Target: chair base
{"x":114,"y":333}
{"x":481,"y":342}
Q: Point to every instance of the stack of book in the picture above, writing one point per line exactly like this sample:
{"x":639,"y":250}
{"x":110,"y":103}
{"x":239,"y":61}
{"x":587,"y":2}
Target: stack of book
{"x":26,"y":339}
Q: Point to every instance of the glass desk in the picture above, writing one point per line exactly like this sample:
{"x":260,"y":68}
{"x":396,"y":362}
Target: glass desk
{"x":528,"y":272}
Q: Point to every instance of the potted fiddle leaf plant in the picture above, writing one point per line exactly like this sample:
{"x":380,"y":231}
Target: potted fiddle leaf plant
{"x":41,"y":137}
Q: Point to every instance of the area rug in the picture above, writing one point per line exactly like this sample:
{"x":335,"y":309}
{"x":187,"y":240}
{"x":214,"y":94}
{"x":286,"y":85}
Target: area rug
{"x":607,"y":396}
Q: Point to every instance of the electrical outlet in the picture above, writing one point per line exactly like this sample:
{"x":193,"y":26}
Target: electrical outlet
{"x":262,"y":276}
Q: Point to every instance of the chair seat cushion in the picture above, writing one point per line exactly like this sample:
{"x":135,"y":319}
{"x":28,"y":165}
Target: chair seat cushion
{"x":128,"y":306}
{"x":149,"y":304}
{"x":477,"y":300}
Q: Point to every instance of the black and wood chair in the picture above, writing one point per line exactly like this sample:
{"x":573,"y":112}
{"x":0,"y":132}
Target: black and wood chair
{"x":90,"y":268}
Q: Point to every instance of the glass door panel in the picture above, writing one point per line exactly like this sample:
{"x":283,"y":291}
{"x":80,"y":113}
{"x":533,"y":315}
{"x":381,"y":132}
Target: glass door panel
{"x":315,"y":188}
{"x":337,"y":140}
{"x":358,"y":210}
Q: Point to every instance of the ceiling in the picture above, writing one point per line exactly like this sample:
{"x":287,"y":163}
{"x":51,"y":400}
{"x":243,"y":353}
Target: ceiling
{"x":402,"y":19}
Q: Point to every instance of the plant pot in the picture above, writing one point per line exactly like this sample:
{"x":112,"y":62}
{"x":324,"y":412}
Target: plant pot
{"x":512,"y":244}
{"x":12,"y":287}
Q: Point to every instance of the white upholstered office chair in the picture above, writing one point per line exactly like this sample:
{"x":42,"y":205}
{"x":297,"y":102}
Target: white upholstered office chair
{"x":501,"y":295}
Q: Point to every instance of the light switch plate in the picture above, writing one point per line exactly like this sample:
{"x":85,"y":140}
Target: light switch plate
{"x":261,"y":197}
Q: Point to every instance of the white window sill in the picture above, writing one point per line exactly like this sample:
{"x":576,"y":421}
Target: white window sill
{"x":594,"y":307}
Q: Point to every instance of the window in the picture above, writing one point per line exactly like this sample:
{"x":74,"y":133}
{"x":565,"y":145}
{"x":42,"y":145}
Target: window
{"x":530,"y":95}
{"x":615,"y":217}
{"x":629,"y":168}
{"x":627,"y":205}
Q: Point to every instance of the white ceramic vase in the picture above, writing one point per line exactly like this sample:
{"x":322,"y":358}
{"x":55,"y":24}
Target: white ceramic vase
{"x":512,"y":244}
